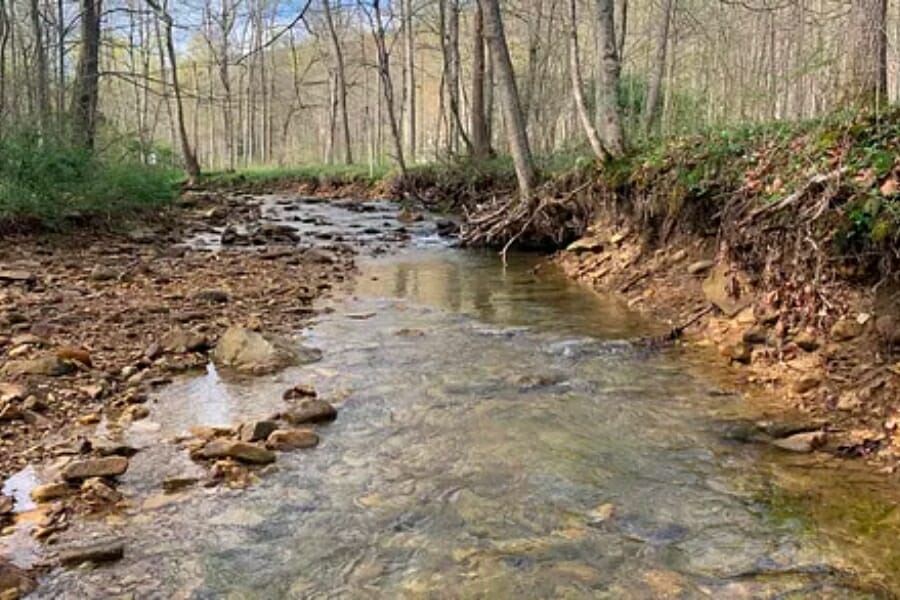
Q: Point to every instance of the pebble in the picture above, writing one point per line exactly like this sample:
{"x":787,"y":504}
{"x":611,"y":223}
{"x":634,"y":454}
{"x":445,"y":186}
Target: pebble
{"x":102,"y":551}
{"x":110,"y":466}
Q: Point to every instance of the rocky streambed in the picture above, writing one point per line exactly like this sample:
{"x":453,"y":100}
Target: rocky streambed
{"x":444,"y":426}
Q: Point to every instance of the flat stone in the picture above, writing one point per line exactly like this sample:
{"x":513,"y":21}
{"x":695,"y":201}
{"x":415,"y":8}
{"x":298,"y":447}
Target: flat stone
{"x":102,"y":273}
{"x":51,"y":366}
{"x":845,"y":330}
{"x":755,"y":336}
{"x":253,"y":352}
{"x":102,"y":551}
{"x":310,"y":411}
{"x":14,"y":582}
{"x":50,"y":491}
{"x":801,"y":442}
{"x":17,"y":276}
{"x":109,"y":466}
{"x":257,"y":431}
{"x":700,"y":266}
{"x":719,"y":288}
{"x":74,"y":353}
{"x":586,"y":244}
{"x":176,"y":484}
{"x":807,"y":383}
{"x":292,"y":439}
{"x":212,"y":296}
{"x":299,"y":392}
{"x":180,"y":341}
{"x":242,"y":451}
{"x":6,"y":505}
{"x":806,"y":341}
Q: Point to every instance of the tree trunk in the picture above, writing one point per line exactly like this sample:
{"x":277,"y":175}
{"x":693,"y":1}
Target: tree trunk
{"x":40,"y":57}
{"x":409,"y":39}
{"x":341,"y":83}
{"x":387,"y":89}
{"x":510,"y":103}
{"x":868,"y":62}
{"x":575,"y":73}
{"x":4,"y":41}
{"x":86,"y":86}
{"x":654,"y":86}
{"x":481,"y":143}
{"x":607,"y":97}
{"x":191,"y":166}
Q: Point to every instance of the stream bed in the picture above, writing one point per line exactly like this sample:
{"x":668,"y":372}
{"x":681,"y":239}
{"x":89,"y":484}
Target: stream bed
{"x":498,"y":437}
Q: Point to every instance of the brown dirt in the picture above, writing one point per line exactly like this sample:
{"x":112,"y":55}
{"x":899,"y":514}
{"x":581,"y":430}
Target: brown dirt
{"x":776,"y":353}
{"x":106,"y":304}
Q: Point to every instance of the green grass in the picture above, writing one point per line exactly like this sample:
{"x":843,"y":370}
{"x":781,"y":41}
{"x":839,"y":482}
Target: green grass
{"x":262,"y":175}
{"x":51,"y":182}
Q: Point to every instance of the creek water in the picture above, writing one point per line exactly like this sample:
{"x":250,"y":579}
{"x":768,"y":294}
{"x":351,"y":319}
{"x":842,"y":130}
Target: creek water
{"x":498,"y":437}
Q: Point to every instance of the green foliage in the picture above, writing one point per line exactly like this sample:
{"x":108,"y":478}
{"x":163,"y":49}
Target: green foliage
{"x":49,"y":180}
{"x":333,"y":174}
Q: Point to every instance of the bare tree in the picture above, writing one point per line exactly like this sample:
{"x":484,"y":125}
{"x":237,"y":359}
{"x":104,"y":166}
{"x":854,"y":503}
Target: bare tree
{"x":510,"y":103}
{"x":481,"y":139}
{"x":575,"y":70}
{"x":341,"y":76}
{"x":654,"y":84}
{"x":191,"y":166}
{"x":86,"y":86}
{"x":868,"y":66}
{"x":608,"y":80}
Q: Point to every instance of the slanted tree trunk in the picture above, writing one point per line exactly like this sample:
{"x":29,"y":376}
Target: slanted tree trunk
{"x":608,"y":83}
{"x":86,"y":86}
{"x":191,"y":166}
{"x":510,"y":103}
{"x":867,"y":85}
{"x":651,"y":100}
{"x":341,"y":83}
{"x":481,"y":141}
{"x":577,"y":84}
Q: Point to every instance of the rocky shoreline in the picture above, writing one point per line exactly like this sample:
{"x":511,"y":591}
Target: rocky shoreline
{"x":832,"y":380}
{"x":92,"y":323}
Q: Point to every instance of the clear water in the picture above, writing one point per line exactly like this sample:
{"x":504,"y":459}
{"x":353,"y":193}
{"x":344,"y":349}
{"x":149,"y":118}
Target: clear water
{"x":497,"y":438}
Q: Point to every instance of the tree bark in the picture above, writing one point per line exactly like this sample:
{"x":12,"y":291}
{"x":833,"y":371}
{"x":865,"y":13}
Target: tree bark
{"x":575,"y":73}
{"x":868,"y":63}
{"x":481,"y":143}
{"x":191,"y":166}
{"x":40,"y":57}
{"x":608,"y":94}
{"x":654,"y":86}
{"x":510,"y":103}
{"x":86,"y":86}
{"x":341,"y":82}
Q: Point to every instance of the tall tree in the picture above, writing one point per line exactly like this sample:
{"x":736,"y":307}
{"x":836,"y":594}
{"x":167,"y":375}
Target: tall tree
{"x":481,"y":140}
{"x":575,"y":72}
{"x":40,"y":59}
{"x":409,"y":55}
{"x":510,"y":103}
{"x":87,"y":75}
{"x":608,"y":80}
{"x":191,"y":165}
{"x":654,"y":84}
{"x":340,"y":74}
{"x":868,"y":64}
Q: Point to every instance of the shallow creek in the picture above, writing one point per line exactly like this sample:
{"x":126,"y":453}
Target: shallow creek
{"x":497,"y":438}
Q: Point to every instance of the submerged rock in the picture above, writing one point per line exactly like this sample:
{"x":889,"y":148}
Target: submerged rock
{"x":253,"y":352}
{"x":310,"y":411}
{"x":102,"y":551}
{"x":292,"y":439}
{"x":242,"y":451}
{"x":257,"y":431}
{"x":14,"y":582}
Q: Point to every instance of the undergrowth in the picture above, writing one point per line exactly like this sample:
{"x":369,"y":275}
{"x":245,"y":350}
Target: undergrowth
{"x":46,"y":181}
